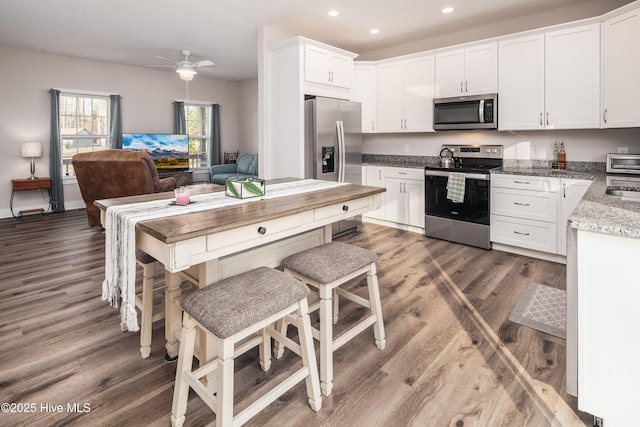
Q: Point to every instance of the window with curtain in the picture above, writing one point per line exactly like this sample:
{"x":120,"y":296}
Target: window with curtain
{"x":198,"y":126}
{"x":84,"y":126}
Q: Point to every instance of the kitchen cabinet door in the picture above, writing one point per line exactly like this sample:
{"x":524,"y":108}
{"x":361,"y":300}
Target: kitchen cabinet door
{"x":414,"y":193}
{"x":364,"y":91}
{"x":521,"y":82}
{"x":326,"y":67}
{"x":450,"y":73}
{"x":572,"y":78}
{"x":621,"y":71}
{"x":404,"y":199}
{"x":390,"y":97}
{"x":375,"y":178}
{"x":418,"y":94}
{"x":405,"y":95}
{"x":481,"y":69}
{"x":572,"y":191}
{"x":469,"y":71}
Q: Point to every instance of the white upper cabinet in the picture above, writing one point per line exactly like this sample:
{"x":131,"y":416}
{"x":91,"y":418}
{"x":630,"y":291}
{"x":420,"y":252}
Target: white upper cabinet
{"x":550,"y":81}
{"x":621,"y":71}
{"x":521,"y":82}
{"x":469,"y":71}
{"x":327,"y":67}
{"x":405,"y":95}
{"x":572,"y":78}
{"x":364,"y":91}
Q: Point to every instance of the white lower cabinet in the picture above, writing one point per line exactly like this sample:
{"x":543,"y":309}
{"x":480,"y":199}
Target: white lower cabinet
{"x":531,"y":212}
{"x":403,"y":202}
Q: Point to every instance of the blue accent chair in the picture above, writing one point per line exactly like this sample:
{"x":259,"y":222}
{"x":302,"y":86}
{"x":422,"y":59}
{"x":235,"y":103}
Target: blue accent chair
{"x":245,"y":167}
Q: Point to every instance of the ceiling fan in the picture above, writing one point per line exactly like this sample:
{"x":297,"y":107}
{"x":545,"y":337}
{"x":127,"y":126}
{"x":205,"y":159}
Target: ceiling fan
{"x":185,"y":68}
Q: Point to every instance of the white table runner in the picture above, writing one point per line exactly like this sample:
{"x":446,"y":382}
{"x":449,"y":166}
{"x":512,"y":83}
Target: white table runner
{"x":120,"y":236}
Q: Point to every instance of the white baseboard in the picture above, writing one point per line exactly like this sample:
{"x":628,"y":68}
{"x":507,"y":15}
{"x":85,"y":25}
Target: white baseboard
{"x":392,"y":224}
{"x":561,"y":259}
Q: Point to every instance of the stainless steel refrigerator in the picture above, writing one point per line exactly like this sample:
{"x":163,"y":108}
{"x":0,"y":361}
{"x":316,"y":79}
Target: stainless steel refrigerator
{"x":333,"y":146}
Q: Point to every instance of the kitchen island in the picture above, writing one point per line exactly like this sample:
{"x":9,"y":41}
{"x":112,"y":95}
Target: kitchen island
{"x":603,"y":246}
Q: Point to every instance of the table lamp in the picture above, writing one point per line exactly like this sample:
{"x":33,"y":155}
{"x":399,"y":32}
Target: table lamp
{"x":33,"y":150}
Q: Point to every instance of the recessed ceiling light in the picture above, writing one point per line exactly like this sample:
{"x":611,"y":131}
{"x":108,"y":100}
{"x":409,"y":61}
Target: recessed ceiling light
{"x":448,"y":9}
{"x":374,"y":31}
{"x":333,"y":13}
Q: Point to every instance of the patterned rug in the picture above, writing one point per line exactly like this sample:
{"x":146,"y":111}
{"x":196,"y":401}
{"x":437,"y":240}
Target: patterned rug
{"x":542,"y":308}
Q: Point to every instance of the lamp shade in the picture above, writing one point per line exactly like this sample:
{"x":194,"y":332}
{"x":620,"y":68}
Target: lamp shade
{"x":31,"y":149}
{"x":186,"y":73}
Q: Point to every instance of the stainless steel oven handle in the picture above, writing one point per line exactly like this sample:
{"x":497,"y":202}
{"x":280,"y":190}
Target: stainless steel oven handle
{"x":478,"y":176}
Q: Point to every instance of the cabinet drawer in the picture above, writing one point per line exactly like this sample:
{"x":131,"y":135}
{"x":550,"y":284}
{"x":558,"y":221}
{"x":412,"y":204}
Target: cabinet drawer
{"x":344,"y":210}
{"x":537,"y":235}
{"x":536,"y":205}
{"x":404,"y":173}
{"x":253,"y":232}
{"x":524,"y":182}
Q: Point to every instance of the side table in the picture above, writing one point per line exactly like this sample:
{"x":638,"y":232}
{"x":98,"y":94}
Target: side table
{"x":30,"y":184}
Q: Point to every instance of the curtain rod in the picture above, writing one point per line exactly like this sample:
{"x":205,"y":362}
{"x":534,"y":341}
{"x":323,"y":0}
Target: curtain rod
{"x":190,"y":101}
{"x":84,"y":92}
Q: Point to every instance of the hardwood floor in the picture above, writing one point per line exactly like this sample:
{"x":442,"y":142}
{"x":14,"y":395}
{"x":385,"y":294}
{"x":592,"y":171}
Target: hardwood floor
{"x":452,"y":356}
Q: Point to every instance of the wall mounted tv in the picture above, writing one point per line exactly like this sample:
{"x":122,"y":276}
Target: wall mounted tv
{"x":168,"y":151}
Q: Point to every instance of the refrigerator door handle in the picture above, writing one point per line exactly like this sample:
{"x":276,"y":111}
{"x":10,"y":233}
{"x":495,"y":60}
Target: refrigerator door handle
{"x":341,"y":150}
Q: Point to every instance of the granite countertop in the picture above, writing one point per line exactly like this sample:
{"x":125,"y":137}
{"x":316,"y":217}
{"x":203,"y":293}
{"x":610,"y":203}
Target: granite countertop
{"x":597,"y":211}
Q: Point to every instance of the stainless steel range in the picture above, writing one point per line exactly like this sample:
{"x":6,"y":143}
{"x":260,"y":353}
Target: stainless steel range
{"x":457,"y":194}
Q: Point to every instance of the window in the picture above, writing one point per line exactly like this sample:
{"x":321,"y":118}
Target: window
{"x":198,"y":125}
{"x":84,"y":126}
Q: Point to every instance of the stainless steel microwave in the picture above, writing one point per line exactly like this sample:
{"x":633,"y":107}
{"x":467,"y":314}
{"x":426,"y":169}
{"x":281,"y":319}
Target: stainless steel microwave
{"x":466,"y":112}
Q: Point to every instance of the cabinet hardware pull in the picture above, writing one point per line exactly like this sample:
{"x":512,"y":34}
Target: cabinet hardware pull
{"x":541,"y":119}
{"x":466,"y":86}
{"x":262,"y":230}
{"x":521,"y":204}
{"x":454,"y":212}
{"x":345,"y":207}
{"x":461,"y":82}
{"x":522,"y":234}
{"x":405,"y":188}
{"x":547,"y":118}
{"x":604,"y":115}
{"x":521,"y":182}
{"x":380,"y":174}
{"x":328,"y":76}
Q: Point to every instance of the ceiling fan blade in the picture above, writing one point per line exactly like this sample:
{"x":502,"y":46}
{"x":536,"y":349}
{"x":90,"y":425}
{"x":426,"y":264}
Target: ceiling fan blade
{"x":204,"y":63}
{"x":166,"y":59}
{"x":211,"y":70}
{"x":160,"y":65}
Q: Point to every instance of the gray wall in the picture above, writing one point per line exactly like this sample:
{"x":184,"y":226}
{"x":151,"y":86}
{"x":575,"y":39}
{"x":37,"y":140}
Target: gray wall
{"x":148,"y":94}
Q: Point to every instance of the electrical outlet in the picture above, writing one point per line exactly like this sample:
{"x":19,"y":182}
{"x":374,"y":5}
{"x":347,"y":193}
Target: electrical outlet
{"x":623,"y":150}
{"x":405,"y":148}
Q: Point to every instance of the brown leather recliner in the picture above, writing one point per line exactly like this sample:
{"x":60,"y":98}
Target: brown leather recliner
{"x":108,"y":174}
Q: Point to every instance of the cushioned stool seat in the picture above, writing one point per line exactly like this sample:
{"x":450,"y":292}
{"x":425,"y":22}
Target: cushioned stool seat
{"x":325,"y":268}
{"x":230,"y":311}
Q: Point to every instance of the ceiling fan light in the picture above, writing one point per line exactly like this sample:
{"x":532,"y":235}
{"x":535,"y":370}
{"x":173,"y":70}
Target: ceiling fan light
{"x":186,"y":74}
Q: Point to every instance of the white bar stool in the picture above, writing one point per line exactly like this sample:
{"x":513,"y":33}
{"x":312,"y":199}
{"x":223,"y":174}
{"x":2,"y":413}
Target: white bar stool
{"x":230,"y":311}
{"x":325,"y":268}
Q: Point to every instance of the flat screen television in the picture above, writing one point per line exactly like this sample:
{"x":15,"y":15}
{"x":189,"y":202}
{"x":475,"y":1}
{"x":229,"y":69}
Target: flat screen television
{"x":170,"y":152}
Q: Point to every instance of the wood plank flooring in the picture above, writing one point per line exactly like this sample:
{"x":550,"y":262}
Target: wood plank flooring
{"x":452,"y":356}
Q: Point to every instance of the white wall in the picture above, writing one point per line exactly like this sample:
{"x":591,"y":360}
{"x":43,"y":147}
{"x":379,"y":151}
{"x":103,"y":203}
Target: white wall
{"x":581,"y":145}
{"x":248,"y":116}
{"x":147,"y":97}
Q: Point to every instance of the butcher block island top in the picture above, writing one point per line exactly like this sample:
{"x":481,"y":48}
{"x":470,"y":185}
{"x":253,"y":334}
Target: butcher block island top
{"x":183,"y":226}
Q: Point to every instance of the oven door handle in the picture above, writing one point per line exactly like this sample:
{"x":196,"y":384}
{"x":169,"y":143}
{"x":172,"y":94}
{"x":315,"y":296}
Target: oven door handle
{"x":478,"y":176}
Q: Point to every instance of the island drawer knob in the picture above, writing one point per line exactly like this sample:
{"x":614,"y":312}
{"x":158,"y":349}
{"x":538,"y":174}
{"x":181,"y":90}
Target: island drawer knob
{"x":262,"y":230}
{"x":345,"y":208}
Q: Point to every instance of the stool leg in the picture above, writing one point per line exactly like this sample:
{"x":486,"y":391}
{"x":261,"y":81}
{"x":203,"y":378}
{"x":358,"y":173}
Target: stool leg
{"x":309,"y":356}
{"x":326,"y":340}
{"x":376,"y":307}
{"x":224,"y":398}
{"x":265,"y":351}
{"x":146,"y":311}
{"x":185,"y":361}
{"x":336,"y":305}
{"x":278,"y":347}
